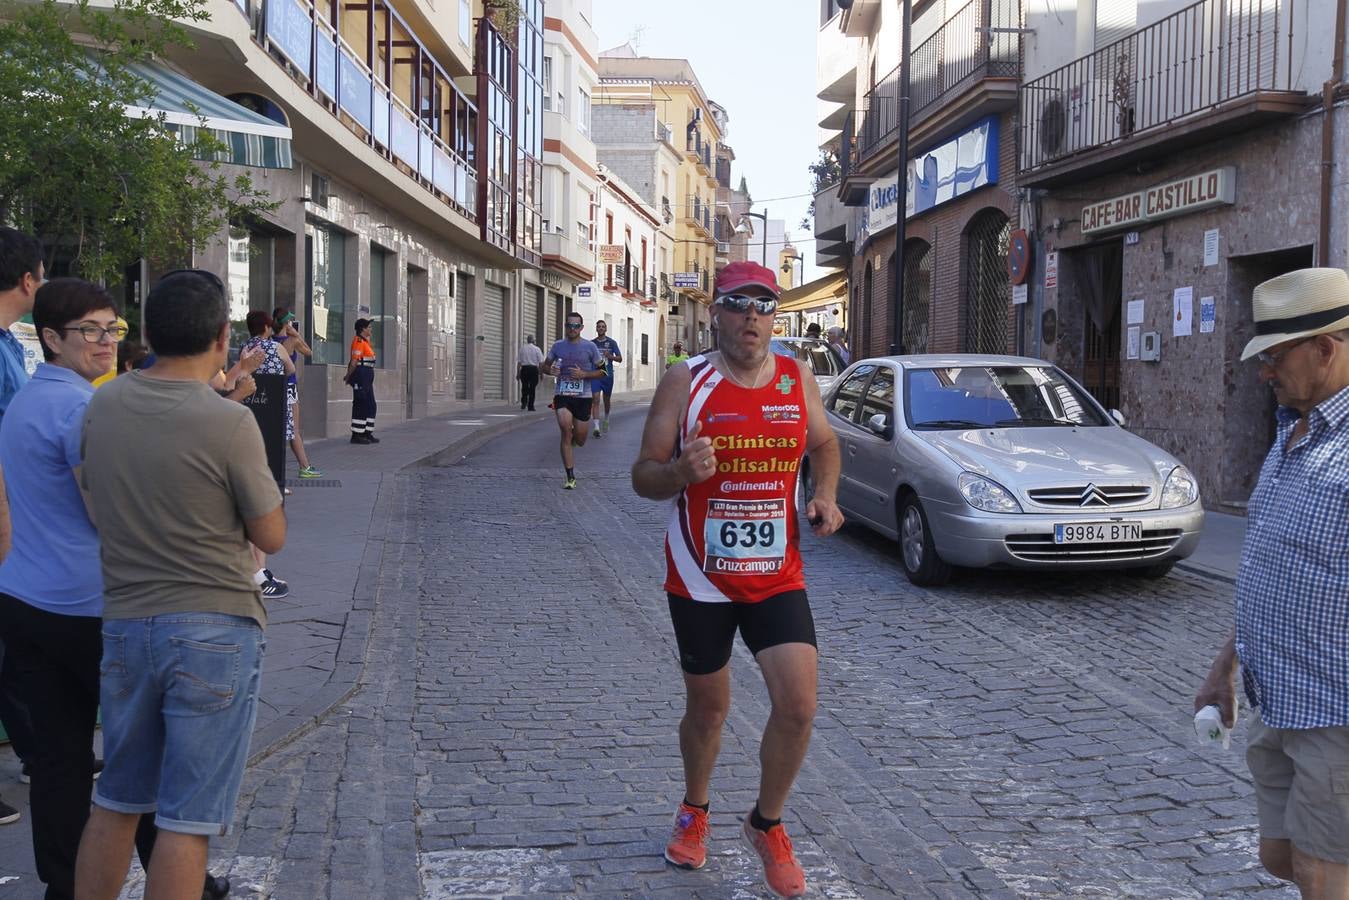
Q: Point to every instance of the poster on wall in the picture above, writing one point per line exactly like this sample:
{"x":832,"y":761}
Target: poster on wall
{"x":1182,"y":319}
{"x":1208,"y":315}
{"x":1135,"y":338}
{"x":1135,"y":316}
{"x":1052,"y":269}
{"x":1019,"y":294}
{"x":1211,"y":247}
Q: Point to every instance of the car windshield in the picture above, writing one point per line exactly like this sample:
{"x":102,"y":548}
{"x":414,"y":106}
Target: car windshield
{"x":816,"y":353}
{"x":995,"y":397}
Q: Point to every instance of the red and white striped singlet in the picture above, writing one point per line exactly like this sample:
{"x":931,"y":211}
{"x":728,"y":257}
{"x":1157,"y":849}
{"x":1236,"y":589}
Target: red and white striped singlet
{"x":735,"y":537}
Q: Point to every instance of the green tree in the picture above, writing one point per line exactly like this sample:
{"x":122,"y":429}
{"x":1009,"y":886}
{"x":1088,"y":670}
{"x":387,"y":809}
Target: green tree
{"x":75,"y":168}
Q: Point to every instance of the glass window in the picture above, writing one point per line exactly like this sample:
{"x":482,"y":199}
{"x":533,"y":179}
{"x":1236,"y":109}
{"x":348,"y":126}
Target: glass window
{"x":646,"y":349}
{"x":381,"y":323}
{"x":252,"y":277}
{"x":466,"y":22}
{"x":582,"y":111}
{"x":880,"y":398}
{"x":816,"y":354}
{"x":996,"y":397}
{"x":327,"y":293}
{"x":548,"y":82}
{"x":848,"y":397}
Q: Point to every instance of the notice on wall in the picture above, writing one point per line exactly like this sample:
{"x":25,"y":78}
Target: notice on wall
{"x":1208,"y":315}
{"x":1135,"y":312}
{"x":1134,"y":339}
{"x":1182,"y":318}
{"x":1019,"y":294}
{"x":1052,"y":269}
{"x":1211,"y":247}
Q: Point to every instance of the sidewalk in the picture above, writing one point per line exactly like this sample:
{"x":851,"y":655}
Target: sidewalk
{"x":1219,"y":550}
{"x":336,"y":525}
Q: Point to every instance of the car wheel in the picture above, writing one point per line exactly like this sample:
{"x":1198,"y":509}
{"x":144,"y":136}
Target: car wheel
{"x":1161,"y":570}
{"x":916,"y":551}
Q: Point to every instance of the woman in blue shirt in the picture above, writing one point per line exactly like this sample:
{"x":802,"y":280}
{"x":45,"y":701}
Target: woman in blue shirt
{"x":51,"y":586}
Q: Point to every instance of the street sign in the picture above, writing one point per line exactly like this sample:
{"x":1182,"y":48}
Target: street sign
{"x":686,"y":279}
{"x":611,"y":254}
{"x":583,"y":290}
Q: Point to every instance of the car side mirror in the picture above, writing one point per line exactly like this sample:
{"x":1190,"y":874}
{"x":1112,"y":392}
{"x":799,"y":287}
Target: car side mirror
{"x":879,"y":424}
{"x":1118,"y":417}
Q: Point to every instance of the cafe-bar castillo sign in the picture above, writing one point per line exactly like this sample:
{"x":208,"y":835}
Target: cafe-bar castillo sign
{"x":1172,"y":198}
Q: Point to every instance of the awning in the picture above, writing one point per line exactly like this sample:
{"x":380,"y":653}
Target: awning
{"x":830,"y":290}
{"x":251,"y":139}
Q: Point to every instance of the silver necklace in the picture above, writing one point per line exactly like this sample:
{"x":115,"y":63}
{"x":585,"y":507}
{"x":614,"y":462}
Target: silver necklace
{"x":757,"y":375}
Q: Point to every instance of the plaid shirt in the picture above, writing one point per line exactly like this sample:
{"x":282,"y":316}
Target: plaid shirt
{"x":1293,"y":585}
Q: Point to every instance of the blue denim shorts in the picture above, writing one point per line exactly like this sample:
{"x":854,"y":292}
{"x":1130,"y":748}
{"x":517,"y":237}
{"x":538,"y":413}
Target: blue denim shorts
{"x":179,"y":695}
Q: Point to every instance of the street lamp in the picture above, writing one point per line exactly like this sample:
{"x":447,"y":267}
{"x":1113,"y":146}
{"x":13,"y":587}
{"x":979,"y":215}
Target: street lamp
{"x":744,"y":226}
{"x":787,"y":265}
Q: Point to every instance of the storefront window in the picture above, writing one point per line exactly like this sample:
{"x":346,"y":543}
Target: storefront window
{"x":251,"y":277}
{"x":328,"y":297}
{"x":382,"y":326}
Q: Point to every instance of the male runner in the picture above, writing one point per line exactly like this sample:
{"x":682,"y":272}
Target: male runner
{"x":724,"y":438}
{"x":604,"y":387}
{"x":577,"y":361}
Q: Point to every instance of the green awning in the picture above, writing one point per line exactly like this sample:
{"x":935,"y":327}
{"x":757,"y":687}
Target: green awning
{"x":251,"y":139}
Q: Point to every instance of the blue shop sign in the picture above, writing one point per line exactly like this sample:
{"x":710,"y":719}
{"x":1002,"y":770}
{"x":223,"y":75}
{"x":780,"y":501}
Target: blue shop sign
{"x":952,"y":169}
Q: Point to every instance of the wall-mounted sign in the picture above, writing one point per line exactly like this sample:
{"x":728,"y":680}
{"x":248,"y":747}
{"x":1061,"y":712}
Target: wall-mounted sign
{"x":611,"y":254}
{"x":965,"y":163}
{"x":1173,"y":198}
{"x":583,"y":290}
{"x":1052,"y":269}
{"x":685,"y":279}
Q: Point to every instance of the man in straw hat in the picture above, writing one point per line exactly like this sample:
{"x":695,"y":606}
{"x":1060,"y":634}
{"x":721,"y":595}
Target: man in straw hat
{"x":1292,"y":604}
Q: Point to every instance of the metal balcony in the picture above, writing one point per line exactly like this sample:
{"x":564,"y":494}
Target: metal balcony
{"x":1201,"y":73}
{"x":962,"y":73}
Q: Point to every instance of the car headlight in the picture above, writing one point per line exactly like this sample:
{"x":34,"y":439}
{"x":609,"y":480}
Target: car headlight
{"x":981,"y":493}
{"x":1180,"y":489}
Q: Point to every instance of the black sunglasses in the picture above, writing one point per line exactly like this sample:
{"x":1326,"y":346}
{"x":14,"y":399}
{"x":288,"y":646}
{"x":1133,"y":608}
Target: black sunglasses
{"x":739,"y":303}
{"x":573,"y":324}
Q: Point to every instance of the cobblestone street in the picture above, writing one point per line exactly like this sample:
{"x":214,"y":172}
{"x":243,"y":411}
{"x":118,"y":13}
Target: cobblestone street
{"x":514,"y":734}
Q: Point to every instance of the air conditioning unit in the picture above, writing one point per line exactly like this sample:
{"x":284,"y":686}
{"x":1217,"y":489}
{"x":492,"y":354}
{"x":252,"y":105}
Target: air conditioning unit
{"x":1086,"y":116}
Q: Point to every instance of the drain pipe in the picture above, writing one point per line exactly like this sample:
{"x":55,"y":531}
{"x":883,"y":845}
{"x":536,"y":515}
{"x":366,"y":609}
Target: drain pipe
{"x":1328,"y":91}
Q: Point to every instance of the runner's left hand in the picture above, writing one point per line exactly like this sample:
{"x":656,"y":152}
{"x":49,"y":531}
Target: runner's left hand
{"x":826,"y":513}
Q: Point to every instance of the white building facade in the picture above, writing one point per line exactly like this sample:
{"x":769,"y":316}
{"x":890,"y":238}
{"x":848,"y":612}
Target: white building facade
{"x":626,"y":290}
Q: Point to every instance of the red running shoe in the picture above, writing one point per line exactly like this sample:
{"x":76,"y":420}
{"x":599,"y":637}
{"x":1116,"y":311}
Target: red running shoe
{"x":781,"y":872}
{"x":688,"y":845}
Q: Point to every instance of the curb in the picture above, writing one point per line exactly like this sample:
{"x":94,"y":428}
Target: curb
{"x":354,"y":646}
{"x":1206,"y":572}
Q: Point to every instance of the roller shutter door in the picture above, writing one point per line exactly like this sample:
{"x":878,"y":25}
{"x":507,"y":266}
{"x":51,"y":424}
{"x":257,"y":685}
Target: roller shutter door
{"x":461,"y":291}
{"x":494,"y":341}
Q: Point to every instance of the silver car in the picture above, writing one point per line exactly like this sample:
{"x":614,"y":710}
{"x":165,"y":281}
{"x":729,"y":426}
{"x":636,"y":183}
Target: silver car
{"x":816,"y":353}
{"x":1003,"y":461}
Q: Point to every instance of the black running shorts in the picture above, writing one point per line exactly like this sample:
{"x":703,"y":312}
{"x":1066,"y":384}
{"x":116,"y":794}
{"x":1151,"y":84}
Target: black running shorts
{"x":705,"y":632}
{"x":579,"y":406}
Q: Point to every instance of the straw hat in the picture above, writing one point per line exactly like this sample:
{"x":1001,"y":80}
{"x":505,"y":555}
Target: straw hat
{"x":1300,"y":304}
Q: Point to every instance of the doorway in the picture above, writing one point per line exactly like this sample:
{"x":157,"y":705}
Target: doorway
{"x":1099,"y":274}
{"x":1248,"y":422}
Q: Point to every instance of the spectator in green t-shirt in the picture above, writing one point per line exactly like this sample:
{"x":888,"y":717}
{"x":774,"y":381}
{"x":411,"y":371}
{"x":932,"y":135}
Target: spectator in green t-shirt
{"x":677,"y":355}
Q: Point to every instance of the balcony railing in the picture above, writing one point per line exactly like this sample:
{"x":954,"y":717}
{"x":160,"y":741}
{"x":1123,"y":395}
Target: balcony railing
{"x":333,"y":73}
{"x":666,"y":212}
{"x":962,"y":51}
{"x":666,"y":292}
{"x":664,"y":133}
{"x":1191,"y":62}
{"x":576,"y":252}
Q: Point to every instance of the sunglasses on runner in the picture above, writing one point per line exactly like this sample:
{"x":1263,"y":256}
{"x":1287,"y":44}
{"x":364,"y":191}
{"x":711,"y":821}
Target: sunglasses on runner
{"x":573,"y":324}
{"x":739,"y":303}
